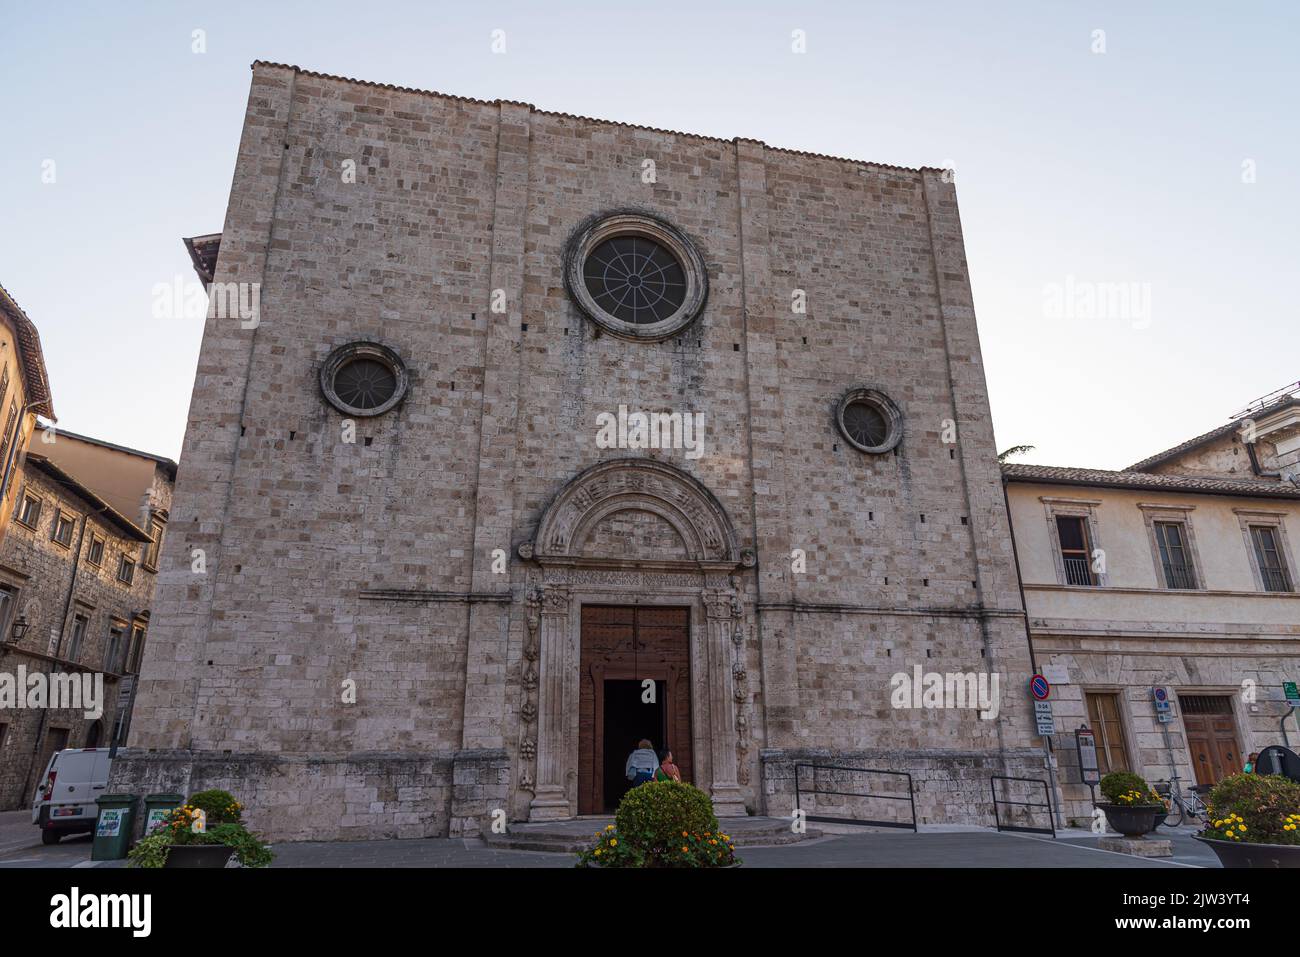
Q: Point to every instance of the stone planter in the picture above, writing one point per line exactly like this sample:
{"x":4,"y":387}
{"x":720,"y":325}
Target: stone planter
{"x":1241,"y":854}
{"x":198,"y":855}
{"x":1132,"y":822}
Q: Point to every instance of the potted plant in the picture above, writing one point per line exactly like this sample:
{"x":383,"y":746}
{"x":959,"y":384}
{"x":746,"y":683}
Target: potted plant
{"x":204,"y":832}
{"x":1253,"y":820}
{"x":1131,"y":807}
{"x":662,"y":824}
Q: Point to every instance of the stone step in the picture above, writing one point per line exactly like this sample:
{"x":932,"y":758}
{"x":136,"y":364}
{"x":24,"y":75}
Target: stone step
{"x":570,"y":837}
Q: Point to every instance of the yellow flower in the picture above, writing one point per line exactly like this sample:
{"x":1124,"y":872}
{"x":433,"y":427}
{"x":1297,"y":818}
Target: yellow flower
{"x":609,"y":827}
{"x":613,"y":842}
{"x":598,"y":852}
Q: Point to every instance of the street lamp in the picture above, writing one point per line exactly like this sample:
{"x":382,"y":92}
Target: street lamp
{"x":19,"y":629}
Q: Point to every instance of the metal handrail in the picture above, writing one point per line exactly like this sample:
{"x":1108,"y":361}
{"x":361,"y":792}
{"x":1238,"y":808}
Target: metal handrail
{"x":910,"y":798}
{"x":1047,"y":793}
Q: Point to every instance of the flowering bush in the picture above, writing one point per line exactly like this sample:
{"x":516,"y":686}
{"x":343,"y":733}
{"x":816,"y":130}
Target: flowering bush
{"x":221,"y":813}
{"x":1129,"y":790}
{"x":662,"y":824}
{"x":1254,"y":809}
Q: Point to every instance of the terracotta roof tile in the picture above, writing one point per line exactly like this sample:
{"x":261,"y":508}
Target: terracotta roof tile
{"x":35,"y":376}
{"x":1056,"y":475}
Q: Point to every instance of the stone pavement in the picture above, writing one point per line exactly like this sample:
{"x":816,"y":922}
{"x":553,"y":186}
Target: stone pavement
{"x":849,"y":847}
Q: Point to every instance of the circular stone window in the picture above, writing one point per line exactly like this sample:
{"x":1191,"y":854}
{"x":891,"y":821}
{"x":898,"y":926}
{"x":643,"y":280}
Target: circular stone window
{"x":636,"y":276}
{"x":870,"y":420}
{"x":363,"y":379}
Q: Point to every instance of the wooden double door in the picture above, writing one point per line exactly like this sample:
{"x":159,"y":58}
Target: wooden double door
{"x":635,"y":684}
{"x":1211,"y":736}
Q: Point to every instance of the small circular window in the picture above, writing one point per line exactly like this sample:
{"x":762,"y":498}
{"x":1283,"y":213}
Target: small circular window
{"x":363,"y":379}
{"x":636,"y":276}
{"x":870,"y":420}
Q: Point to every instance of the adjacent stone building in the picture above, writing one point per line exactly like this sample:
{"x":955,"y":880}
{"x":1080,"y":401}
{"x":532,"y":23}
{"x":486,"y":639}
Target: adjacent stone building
{"x":426,"y":562}
{"x":76,"y":589}
{"x":1179,"y":573}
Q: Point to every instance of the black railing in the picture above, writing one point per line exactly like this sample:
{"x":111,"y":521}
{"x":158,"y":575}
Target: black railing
{"x":1077,"y":571}
{"x":1024,"y":828}
{"x":1275,"y":579}
{"x":1179,"y":576}
{"x":800,"y":791}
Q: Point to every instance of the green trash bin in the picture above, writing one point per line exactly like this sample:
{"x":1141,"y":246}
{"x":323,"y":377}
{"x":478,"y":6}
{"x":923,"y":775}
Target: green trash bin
{"x":113,"y":826}
{"x":158,"y":806}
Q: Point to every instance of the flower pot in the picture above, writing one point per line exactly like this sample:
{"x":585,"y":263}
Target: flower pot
{"x":1242,"y":854}
{"x":198,"y":855}
{"x":1132,"y":820}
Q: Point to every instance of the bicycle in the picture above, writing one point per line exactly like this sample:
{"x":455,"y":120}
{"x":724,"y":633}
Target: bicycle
{"x":1181,"y":807}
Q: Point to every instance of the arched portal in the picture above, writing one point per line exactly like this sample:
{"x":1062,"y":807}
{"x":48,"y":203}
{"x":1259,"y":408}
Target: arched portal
{"x":636,"y":534}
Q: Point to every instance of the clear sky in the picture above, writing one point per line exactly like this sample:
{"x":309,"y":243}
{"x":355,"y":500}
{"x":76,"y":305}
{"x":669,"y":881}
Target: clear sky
{"x":1166,"y":167}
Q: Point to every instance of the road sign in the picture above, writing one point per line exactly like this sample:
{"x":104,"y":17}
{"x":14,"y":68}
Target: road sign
{"x":1292,"y":693}
{"x":1043,"y":717}
{"x":1085,"y":743}
{"x":1039,"y":687}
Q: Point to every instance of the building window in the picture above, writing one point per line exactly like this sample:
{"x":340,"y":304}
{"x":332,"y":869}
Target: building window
{"x":635,"y":279}
{"x":112,"y":658}
{"x":61,"y":528}
{"x":870,"y":420}
{"x":126,"y":571}
{"x":30,"y":513}
{"x":1268,"y":555}
{"x":1104,"y":713}
{"x":635,"y":276}
{"x":78,"y":637}
{"x":135,"y":651}
{"x":1076,"y":551}
{"x":95,"y":554}
{"x":155,"y":545}
{"x":8,"y":434}
{"x":363,"y":379}
{"x":1175,"y":560}
{"x":8,"y":602}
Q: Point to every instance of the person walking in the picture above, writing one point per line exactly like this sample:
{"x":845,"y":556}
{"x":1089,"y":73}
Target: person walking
{"x":641,"y":763}
{"x":667,"y":770}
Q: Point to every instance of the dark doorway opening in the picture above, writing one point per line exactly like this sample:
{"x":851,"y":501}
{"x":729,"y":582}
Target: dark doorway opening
{"x":628,"y":719}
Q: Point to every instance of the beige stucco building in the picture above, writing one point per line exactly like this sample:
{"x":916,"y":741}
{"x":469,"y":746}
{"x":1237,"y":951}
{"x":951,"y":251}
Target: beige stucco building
{"x":24,"y":394}
{"x":1178,"y":572}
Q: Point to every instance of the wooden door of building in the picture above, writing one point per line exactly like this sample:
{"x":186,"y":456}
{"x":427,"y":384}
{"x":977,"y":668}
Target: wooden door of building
{"x":1211,"y":736}
{"x":623,"y":647}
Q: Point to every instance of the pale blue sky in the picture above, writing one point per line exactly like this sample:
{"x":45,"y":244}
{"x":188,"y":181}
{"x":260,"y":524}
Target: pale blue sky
{"x":1119,"y":167}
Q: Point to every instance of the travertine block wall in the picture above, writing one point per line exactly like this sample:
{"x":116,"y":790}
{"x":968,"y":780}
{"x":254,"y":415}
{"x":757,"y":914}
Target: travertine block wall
{"x":328,"y":562}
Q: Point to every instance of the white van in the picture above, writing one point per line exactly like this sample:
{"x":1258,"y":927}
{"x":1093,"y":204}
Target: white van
{"x":65,"y":801}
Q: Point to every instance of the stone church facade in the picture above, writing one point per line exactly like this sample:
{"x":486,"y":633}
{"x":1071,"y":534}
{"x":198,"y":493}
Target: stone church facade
{"x":405,"y":583}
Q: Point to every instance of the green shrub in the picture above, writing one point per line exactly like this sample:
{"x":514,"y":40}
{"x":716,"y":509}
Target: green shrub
{"x":1125,"y":787}
{"x":662,"y":824}
{"x":1255,"y":809}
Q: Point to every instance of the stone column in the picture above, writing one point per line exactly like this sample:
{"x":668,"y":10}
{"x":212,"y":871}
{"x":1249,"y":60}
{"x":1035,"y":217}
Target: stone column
{"x":551,"y":799}
{"x":721,"y":610}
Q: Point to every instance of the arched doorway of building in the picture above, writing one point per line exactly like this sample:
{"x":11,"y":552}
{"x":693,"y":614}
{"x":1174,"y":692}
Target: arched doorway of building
{"x":635,"y":676}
